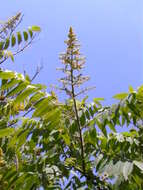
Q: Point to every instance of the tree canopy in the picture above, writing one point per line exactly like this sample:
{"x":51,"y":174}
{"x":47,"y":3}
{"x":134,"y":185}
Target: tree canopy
{"x":74,"y":144}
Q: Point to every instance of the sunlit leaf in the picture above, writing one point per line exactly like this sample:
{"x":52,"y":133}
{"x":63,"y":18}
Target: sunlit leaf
{"x":19,"y":37}
{"x":120,"y":96}
{"x":139,"y":164}
{"x":13,"y":40}
{"x":35,"y":28}
{"x":6,"y":132}
{"x":25,"y":34}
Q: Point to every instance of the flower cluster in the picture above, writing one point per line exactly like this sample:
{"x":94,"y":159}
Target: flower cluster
{"x":73,"y":62}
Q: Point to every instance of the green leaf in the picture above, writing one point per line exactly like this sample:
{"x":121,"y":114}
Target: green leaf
{"x":138,"y":180}
{"x":7,"y":74}
{"x":19,"y":37}
{"x":98,"y":99}
{"x":111,"y":126}
{"x":131,"y":90}
{"x":140,"y":89}
{"x":30,"y":32}
{"x":91,"y":111}
{"x":7,"y":43}
{"x":6,"y":132}
{"x":87,"y":114}
{"x":35,"y":28}
{"x":27,"y":92}
{"x":42,"y":107}
{"x":66,"y":138}
{"x":93,"y":136}
{"x":22,"y":138}
{"x":9,"y":84}
{"x":37,"y":96}
{"x":25,"y":34}
{"x":101,"y":126}
{"x":70,"y":161}
{"x":8,"y":54}
{"x":11,"y":55}
{"x":13,"y":40}
{"x":120,"y":96}
{"x":21,"y":86}
{"x":83,"y":119}
{"x":103,"y":143}
{"x":1,"y":45}
{"x":10,"y":174}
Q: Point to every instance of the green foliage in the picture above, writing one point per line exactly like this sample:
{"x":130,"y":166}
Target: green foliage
{"x":13,"y":41}
{"x":65,"y":145}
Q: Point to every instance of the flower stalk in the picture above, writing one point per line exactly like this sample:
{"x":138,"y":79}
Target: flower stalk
{"x":73,"y":63}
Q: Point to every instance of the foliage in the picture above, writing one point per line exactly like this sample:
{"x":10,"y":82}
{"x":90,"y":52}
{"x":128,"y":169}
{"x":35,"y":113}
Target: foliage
{"x":65,"y":145}
{"x":13,"y":41}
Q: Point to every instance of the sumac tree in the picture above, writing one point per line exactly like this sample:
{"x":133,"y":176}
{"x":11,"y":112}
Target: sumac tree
{"x":49,"y":144}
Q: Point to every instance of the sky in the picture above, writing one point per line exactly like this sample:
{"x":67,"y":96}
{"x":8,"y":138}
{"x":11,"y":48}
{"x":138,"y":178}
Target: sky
{"x":110,"y":33}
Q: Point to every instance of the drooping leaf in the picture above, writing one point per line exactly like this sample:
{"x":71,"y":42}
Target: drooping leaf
{"x":25,"y":34}
{"x":13,"y":40}
{"x":1,"y":45}
{"x":19,"y":37}
{"x":30,"y":32}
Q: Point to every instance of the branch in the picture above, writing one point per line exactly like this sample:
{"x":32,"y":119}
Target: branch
{"x":20,"y":50}
{"x":37,"y":72}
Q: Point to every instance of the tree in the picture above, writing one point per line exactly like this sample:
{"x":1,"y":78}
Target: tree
{"x":45,"y":143}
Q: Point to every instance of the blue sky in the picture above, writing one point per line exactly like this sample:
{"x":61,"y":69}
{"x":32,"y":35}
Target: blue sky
{"x":110,"y":32}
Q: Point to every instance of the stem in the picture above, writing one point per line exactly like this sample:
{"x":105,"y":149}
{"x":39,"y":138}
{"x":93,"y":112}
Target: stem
{"x":77,"y":118}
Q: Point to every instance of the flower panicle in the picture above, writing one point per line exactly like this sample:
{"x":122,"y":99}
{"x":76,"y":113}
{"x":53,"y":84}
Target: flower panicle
{"x":73,"y":62}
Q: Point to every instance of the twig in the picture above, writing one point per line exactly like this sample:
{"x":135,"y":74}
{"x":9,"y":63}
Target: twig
{"x":37,"y":72}
{"x":28,"y":112}
{"x":84,"y":90}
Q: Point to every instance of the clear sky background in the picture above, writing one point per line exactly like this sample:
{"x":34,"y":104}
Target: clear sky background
{"x":110,"y":32}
